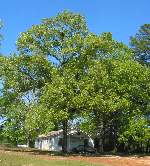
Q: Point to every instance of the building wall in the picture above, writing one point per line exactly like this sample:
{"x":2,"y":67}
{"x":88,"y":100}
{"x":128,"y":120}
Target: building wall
{"x":53,"y":143}
{"x":48,"y":143}
{"x":74,"y":142}
{"x":45,"y":144}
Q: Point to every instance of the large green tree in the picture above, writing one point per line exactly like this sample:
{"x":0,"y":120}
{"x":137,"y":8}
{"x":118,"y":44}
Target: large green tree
{"x":44,"y":50}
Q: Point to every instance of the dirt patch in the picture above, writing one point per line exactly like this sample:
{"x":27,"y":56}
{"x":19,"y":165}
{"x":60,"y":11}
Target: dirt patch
{"x":117,"y":160}
{"x":107,"y":160}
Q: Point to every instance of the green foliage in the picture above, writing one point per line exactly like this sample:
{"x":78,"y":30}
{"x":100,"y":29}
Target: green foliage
{"x":54,"y":37}
{"x":13,"y":127}
{"x":115,"y":87}
{"x":38,"y":121}
{"x":137,"y":130}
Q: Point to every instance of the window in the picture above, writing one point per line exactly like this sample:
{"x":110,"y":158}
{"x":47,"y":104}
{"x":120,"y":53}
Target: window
{"x":60,"y":142}
{"x":86,"y":142}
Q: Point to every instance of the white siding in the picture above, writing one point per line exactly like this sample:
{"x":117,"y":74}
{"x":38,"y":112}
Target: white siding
{"x":91,"y":142}
{"x":45,"y":144}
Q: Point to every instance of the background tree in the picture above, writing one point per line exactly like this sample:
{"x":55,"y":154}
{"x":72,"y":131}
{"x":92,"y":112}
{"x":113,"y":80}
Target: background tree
{"x":1,"y":25}
{"x":114,"y":88}
{"x":141,"y":44}
{"x":22,"y":79}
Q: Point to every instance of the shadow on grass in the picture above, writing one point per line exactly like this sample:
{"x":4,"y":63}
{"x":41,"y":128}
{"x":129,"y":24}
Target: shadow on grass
{"x":34,"y":151}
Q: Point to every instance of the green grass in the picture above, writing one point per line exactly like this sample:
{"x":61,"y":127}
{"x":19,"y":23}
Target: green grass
{"x":10,"y":159}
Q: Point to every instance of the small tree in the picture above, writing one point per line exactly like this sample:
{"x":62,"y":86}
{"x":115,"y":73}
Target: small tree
{"x":136,"y":134}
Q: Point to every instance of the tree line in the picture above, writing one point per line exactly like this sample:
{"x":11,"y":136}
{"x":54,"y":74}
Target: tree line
{"x":63,"y":73}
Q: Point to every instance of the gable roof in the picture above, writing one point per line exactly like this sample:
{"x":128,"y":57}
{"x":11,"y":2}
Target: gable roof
{"x":52,"y":133}
{"x":59,"y":132}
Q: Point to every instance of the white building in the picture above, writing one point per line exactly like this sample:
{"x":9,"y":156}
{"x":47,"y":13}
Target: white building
{"x":53,"y":140}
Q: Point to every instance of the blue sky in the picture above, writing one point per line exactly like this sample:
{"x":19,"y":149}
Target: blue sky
{"x":121,"y":17}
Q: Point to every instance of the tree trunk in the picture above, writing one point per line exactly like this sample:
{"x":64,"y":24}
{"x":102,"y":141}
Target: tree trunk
{"x":64,"y":146}
{"x":30,"y":143}
{"x":16,"y":142}
{"x":147,"y":147}
{"x":96,"y":144}
{"x":101,"y":147}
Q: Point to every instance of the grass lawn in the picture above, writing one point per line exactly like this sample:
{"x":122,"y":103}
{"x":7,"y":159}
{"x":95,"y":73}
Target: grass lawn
{"x":10,"y":159}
